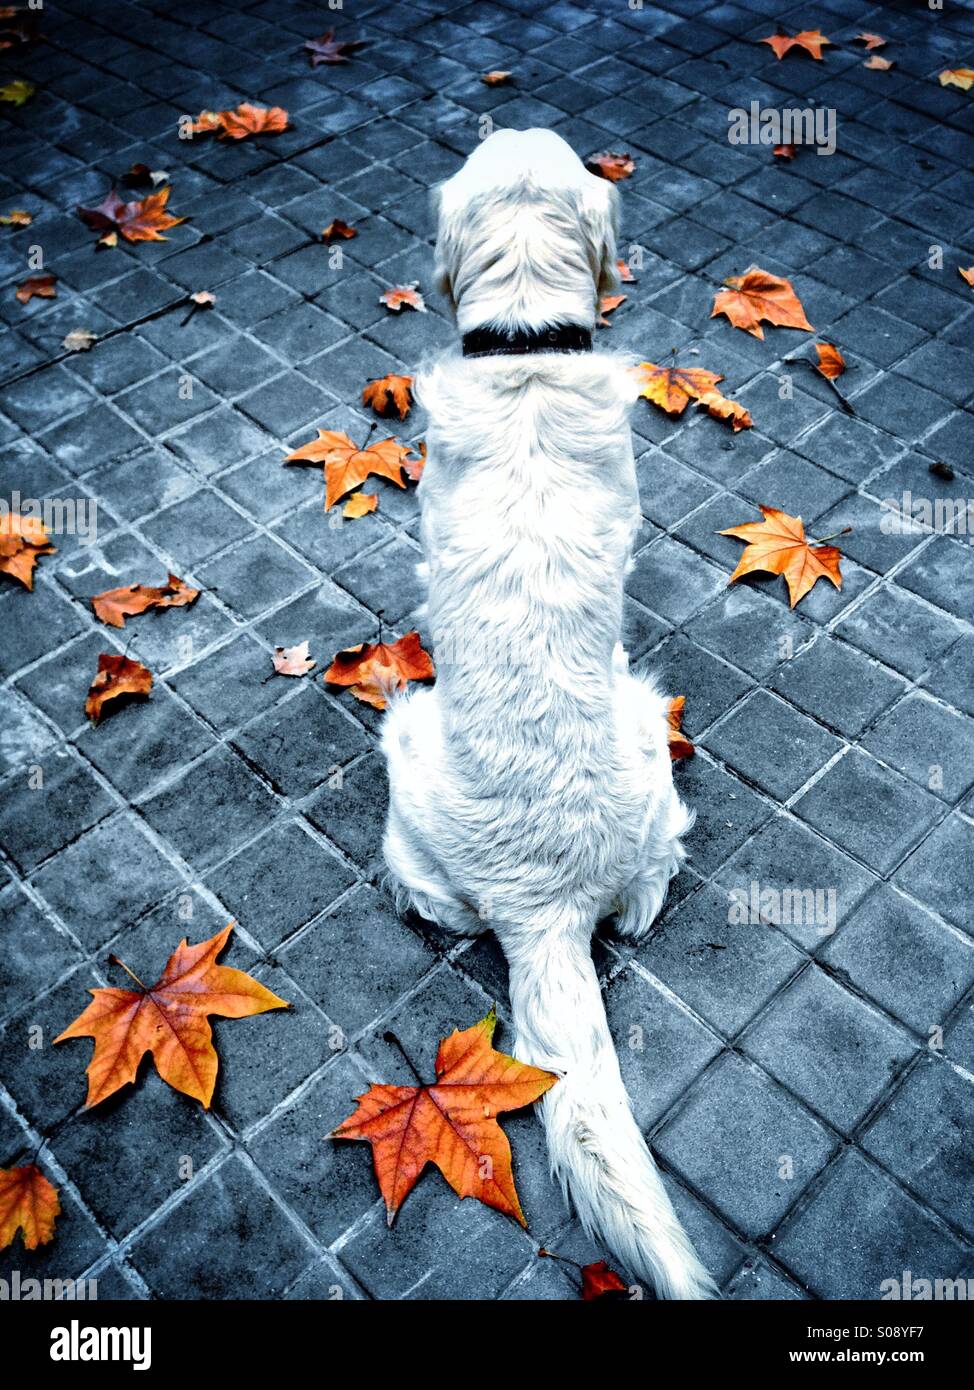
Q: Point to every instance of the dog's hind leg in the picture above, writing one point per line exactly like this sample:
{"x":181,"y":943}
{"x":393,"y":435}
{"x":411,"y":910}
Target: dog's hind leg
{"x":639,"y":903}
{"x":417,"y":878}
{"x":418,"y":882}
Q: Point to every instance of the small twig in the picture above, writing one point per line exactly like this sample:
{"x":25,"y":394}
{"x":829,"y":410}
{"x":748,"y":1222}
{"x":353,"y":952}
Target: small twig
{"x":390,"y":1037}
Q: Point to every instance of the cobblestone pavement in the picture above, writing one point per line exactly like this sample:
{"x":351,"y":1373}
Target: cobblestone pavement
{"x":808,"y":1092}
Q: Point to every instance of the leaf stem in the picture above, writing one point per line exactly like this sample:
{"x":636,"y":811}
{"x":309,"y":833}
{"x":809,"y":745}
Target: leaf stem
{"x":550,"y":1254}
{"x":115,"y":961}
{"x":391,"y":1037}
{"x":846,"y":530}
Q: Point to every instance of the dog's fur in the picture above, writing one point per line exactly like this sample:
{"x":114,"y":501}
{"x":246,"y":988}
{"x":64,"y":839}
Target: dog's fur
{"x":531,"y":788}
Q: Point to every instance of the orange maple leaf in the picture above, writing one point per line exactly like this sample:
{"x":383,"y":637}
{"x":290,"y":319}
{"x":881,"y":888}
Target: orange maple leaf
{"x":16,"y":217}
{"x":347,"y":466}
{"x":328,"y":49}
{"x":680,"y":746}
{"x":784,"y":151}
{"x":143,"y":220}
{"x":115,"y":605}
{"x":29,"y":1204}
{"x":778,"y":545}
{"x":360,"y":504}
{"x":403,"y":297}
{"x":626,"y":276}
{"x":293,"y":661}
{"x":374,"y":671}
{"x":673,"y":388}
{"x":611,"y":166}
{"x":451,"y":1123}
{"x":250,"y":120}
{"x":607,"y":304}
{"x":389,"y":395}
{"x":170,"y":1020}
{"x":338,"y":229}
{"x":966,"y":275}
{"x":117,"y":675}
{"x":37,"y":286}
{"x":871,"y":40}
{"x":497,"y":78}
{"x":723,"y":409}
{"x":831,"y":363}
{"x":757,"y":295}
{"x":958,"y":77}
{"x":598,"y":1280}
{"x":22,"y":540}
{"x":414,"y":465}
{"x":880,"y":64}
{"x":809,"y":39}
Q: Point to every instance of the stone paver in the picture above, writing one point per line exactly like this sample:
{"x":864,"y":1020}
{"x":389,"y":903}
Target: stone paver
{"x":803,"y":1068}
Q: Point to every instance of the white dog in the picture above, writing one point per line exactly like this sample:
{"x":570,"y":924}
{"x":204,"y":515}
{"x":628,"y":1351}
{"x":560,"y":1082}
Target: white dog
{"x":531,"y":788}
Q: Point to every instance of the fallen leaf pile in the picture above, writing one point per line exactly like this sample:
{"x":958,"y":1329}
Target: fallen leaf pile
{"x":115,"y":605}
{"x":808,"y":41}
{"x":39,"y":286}
{"x":607,"y":304}
{"x":613,"y":167}
{"x":79,"y":340}
{"x":347,"y":466}
{"x":293,"y":661}
{"x":29,"y":1204}
{"x":170,"y":1020}
{"x":245,"y":121}
{"x":116,"y":676}
{"x":598,"y":1280}
{"x":373,"y":671}
{"x":451,"y":1123}
{"x":680,"y":745}
{"x":389,"y":395}
{"x":831,"y":363}
{"x":144,"y":220}
{"x":958,"y":77}
{"x":328,"y":49}
{"x":338,"y":230}
{"x":360,"y":504}
{"x":778,"y":545}
{"x":17,"y":92}
{"x":403,"y":297}
{"x":673,"y":388}
{"x":23,"y":539}
{"x":758,"y":296}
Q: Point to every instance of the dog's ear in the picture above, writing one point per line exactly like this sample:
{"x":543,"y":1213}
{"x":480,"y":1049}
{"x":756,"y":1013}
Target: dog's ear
{"x":600,"y":217}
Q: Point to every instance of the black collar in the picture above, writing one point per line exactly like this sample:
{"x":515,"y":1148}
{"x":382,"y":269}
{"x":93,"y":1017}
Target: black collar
{"x":490,"y":342}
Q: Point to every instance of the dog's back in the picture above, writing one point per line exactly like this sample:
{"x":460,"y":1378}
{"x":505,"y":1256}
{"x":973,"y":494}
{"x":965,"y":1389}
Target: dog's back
{"x":531,"y":788}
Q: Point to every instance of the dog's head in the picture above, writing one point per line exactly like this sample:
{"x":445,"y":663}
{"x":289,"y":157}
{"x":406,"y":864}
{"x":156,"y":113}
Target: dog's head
{"x":526,"y":235}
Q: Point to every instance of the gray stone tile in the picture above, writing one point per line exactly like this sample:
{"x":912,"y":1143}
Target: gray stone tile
{"x":725,"y":970}
{"x":746,"y":1145}
{"x":829,"y":1048}
{"x":920,"y":1135}
{"x":201,"y":1247}
{"x":870,"y":811}
{"x":860,"y":1230}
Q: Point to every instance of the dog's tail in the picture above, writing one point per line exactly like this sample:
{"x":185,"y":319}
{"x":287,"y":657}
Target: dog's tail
{"x":595,"y":1147}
